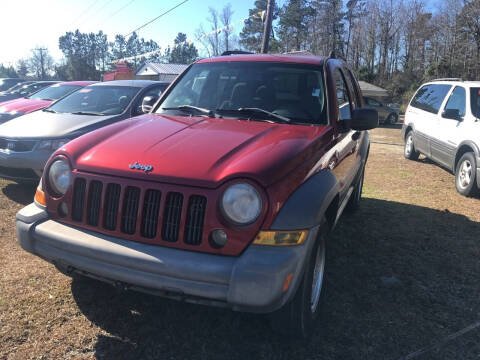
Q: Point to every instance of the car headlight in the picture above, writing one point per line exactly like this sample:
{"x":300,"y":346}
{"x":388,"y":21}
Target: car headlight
{"x":52,"y":145}
{"x":60,"y":176}
{"x":241,"y":204}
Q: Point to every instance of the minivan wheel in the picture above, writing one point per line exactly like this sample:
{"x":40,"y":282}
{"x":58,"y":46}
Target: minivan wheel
{"x":296,"y":319}
{"x":466,"y":175}
{"x":409,"y":150}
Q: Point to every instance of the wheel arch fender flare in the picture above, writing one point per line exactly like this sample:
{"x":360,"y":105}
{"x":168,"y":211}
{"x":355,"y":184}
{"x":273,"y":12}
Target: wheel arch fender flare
{"x":462,"y":148}
{"x":308,"y":204}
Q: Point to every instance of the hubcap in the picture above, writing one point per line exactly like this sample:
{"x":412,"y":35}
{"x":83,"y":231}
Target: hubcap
{"x":465,"y":174}
{"x":318,"y":276}
{"x":408,"y":145}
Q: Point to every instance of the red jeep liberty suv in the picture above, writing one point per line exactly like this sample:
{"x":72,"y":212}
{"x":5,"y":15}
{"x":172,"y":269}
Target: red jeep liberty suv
{"x":222,"y":195}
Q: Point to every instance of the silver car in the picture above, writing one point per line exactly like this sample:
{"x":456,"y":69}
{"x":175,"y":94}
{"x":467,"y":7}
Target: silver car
{"x":27,"y":142}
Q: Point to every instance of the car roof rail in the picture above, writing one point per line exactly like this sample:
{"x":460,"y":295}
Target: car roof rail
{"x":448,"y":79}
{"x":236,"y":52}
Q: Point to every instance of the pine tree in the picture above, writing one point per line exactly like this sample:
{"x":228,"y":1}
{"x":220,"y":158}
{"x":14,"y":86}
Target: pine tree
{"x":183,"y":53}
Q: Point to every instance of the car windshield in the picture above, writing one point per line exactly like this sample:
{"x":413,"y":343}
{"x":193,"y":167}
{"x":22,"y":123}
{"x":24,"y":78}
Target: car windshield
{"x":54,"y":92}
{"x":97,"y":100}
{"x":253,"y":90}
{"x":475,"y":101}
{"x":13,"y":89}
{"x":26,"y":90}
{"x":6,"y":84}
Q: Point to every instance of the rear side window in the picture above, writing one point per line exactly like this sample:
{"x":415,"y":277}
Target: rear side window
{"x":457,"y":101}
{"x":430,"y":97}
{"x":475,"y":101}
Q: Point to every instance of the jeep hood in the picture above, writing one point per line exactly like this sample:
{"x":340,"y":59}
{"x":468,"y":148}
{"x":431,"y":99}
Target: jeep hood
{"x":196,"y":151}
{"x":42,"y":124}
{"x":23,"y":105}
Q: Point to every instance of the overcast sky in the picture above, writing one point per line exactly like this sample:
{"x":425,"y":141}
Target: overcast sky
{"x":26,"y":24}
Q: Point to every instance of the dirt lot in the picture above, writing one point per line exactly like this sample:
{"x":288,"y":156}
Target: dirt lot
{"x":402,"y":276}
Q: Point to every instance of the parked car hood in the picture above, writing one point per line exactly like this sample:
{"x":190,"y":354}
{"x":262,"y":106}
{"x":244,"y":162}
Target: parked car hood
{"x":42,"y":124}
{"x":195,"y":150}
{"x":24,"y":105}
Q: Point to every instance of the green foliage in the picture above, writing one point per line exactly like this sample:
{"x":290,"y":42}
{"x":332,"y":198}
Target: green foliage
{"x":182,"y":53}
{"x":252,"y":32}
{"x":7,"y":72}
{"x":293,"y":25}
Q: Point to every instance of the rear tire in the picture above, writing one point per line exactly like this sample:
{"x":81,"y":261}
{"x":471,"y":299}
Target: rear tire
{"x":297,"y":318}
{"x":409,"y":150}
{"x":466,"y":175}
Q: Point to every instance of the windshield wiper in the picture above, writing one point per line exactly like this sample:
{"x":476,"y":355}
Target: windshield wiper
{"x":191,"y":108}
{"x":87,"y":113}
{"x":50,"y":111}
{"x":258,"y":111}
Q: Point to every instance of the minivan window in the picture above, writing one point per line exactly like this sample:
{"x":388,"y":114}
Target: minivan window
{"x":430,"y":97}
{"x":475,"y":101}
{"x":457,"y":101}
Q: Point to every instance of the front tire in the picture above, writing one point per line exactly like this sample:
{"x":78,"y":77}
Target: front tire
{"x":409,"y":150}
{"x":466,"y":175}
{"x":297,"y":317}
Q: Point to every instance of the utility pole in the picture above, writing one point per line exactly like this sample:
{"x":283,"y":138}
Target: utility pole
{"x":268,"y":26}
{"x":42,"y":62}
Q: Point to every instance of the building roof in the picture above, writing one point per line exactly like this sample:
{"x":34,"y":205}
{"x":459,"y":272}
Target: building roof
{"x":372,"y":90}
{"x":151,"y":68}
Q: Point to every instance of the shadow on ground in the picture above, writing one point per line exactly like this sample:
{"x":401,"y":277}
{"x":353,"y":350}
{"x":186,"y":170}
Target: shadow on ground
{"x":399,"y":278}
{"x":21,"y":193}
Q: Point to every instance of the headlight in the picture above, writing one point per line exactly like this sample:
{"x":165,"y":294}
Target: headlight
{"x":241,"y":204}
{"x":52,"y":145}
{"x":59,"y":176}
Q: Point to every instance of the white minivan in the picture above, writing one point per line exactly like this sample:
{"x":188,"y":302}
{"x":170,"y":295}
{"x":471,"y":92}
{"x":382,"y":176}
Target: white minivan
{"x":442,"y":123}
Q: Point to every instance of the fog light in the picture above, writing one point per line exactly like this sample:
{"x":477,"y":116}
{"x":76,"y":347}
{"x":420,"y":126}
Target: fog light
{"x":280,"y":238}
{"x":63,"y":209}
{"x":218,"y":238}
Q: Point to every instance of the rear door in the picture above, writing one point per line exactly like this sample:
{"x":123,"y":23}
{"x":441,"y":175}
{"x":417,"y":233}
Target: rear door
{"x":447,"y":134}
{"x":422,"y":113}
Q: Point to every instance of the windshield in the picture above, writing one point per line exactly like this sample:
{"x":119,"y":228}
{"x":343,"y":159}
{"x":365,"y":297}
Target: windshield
{"x":13,"y":88}
{"x":6,"y":84}
{"x":26,"y":90}
{"x":54,"y":92}
{"x":97,"y":100}
{"x":475,"y":101}
{"x":293,"y":91}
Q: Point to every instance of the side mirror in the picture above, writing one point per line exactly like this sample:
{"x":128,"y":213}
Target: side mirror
{"x":147,"y":103}
{"x":364,"y":119}
{"x":453,"y":114}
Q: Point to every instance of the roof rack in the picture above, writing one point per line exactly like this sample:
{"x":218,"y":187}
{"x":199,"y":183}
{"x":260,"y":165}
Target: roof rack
{"x":236,"y":52}
{"x":448,"y":79}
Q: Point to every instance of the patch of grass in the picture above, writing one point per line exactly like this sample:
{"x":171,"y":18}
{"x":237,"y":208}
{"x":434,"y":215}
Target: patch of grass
{"x":411,"y":227}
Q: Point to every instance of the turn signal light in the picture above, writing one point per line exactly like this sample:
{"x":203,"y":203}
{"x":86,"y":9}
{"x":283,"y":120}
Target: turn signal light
{"x":280,"y":238}
{"x":40,"y":197}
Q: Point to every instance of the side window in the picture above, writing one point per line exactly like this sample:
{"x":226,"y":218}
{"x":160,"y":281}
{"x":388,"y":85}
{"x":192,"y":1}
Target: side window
{"x":457,"y":101}
{"x":353,"y":89}
{"x":430,"y":97}
{"x":344,"y":106}
{"x":372,"y":102}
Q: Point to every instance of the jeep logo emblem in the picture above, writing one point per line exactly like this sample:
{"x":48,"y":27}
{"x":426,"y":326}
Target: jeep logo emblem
{"x":137,"y":166}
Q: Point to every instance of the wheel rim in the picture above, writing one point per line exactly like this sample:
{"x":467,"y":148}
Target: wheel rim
{"x":465,"y":174}
{"x":317,"y":281}
{"x":409,"y":145}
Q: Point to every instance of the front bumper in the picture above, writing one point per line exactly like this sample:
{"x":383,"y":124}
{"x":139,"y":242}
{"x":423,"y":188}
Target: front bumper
{"x":251,"y":282}
{"x":26,"y":165}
